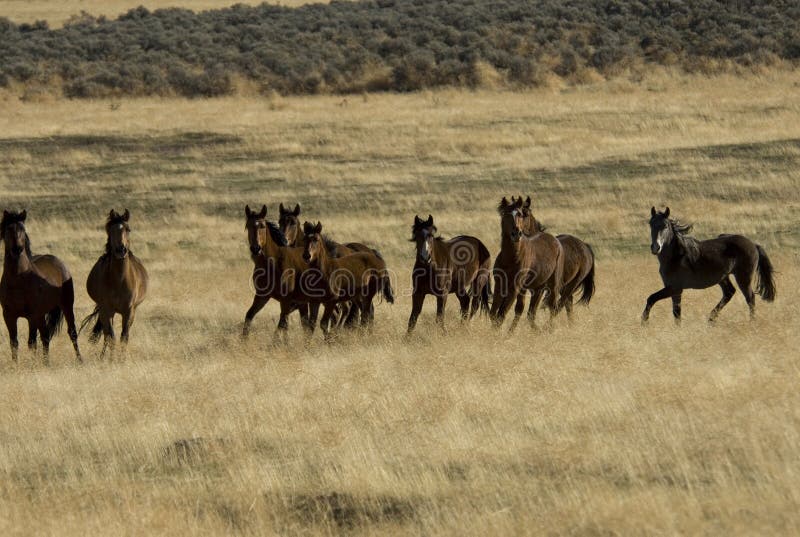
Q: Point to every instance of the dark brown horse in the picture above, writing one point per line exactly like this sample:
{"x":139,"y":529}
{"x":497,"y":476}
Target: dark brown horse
{"x":117,"y":283}
{"x":275,"y":272}
{"x":289,"y":222}
{"x":578,"y":273}
{"x":525,"y":263}
{"x":355,"y":278}
{"x":686,"y":263}
{"x":37,"y":288}
{"x":460,"y":265}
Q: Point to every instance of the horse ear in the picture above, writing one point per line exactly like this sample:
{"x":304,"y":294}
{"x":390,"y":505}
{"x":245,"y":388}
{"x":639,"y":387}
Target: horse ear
{"x":263,"y":213}
{"x":112,"y":214}
{"x":318,"y":227}
{"x":23,"y":215}
{"x":296,"y":211}
{"x":504,"y":202}
{"x":527,"y":202}
{"x":666,"y":213}
{"x":417,"y":219}
{"x":281,"y":210}
{"x":652,"y":211}
{"x":430,"y":220}
{"x":126,"y":216}
{"x":247,"y":211}
{"x":308,"y":228}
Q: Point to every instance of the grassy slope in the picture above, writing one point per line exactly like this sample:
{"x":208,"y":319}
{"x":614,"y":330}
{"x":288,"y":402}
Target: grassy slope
{"x":599,"y":427}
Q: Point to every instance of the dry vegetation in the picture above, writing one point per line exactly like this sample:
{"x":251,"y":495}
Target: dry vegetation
{"x":58,"y":13}
{"x":602,"y":427}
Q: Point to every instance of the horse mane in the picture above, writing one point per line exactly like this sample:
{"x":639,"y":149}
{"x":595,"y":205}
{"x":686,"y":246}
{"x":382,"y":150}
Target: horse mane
{"x":330,"y":245}
{"x":687,"y":244}
{"x":538,"y":226}
{"x":276,"y":234}
{"x":12,"y":217}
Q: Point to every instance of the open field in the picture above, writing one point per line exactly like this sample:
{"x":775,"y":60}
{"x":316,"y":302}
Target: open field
{"x":57,"y":13}
{"x":603,"y":427}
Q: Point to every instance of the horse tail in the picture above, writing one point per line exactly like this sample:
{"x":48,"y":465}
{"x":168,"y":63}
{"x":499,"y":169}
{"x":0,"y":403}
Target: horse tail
{"x":97,"y":329}
{"x":53,"y":321}
{"x":386,"y":288}
{"x":486,"y":292}
{"x":587,"y":285}
{"x":766,"y":282}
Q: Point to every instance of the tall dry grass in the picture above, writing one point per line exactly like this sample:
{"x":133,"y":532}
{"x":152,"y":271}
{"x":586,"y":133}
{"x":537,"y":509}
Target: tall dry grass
{"x":601,"y":427}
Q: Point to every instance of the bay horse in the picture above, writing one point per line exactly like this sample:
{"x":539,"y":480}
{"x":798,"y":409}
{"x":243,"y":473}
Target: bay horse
{"x":276,"y":267}
{"x":460,"y":266}
{"x":525,"y":263}
{"x":356,"y":277}
{"x":289,"y":223}
{"x":687,"y":263}
{"x":37,"y":288}
{"x":117,"y":283}
{"x":579,"y":268}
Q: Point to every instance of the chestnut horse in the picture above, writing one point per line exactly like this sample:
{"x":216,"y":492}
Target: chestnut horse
{"x":276,"y":267}
{"x":579,"y":263}
{"x":117,"y":283}
{"x":686,"y":263}
{"x":356,"y":277}
{"x":525,"y":263}
{"x":37,"y":288}
{"x":289,"y":222}
{"x":460,"y":265}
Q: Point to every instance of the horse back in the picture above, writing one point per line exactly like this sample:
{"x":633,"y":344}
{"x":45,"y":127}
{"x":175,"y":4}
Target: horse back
{"x":51,"y":269}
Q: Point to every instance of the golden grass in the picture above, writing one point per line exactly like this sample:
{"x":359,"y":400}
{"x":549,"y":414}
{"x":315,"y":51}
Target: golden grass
{"x":602,"y":427}
{"x":57,"y":12}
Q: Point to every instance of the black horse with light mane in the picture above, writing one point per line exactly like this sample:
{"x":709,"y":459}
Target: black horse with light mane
{"x":686,"y":263}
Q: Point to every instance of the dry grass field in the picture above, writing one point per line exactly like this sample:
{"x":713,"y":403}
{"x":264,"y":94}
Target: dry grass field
{"x":57,"y":13}
{"x":599,"y":428}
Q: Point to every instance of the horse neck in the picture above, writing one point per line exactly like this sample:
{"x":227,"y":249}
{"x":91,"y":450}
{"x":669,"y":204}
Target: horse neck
{"x":670,"y":251}
{"x":270,"y":247}
{"x":439,"y":257}
{"x":510,"y":248}
{"x":325,"y":262}
{"x":20,"y":265}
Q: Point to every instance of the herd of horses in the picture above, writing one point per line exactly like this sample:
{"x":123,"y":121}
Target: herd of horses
{"x":304,"y":270}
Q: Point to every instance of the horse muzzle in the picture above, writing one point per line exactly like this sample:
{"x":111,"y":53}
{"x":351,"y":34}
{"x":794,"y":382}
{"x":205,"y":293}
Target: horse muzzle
{"x":255,"y":250}
{"x":655,"y":248}
{"x":306,"y":257}
{"x":121,"y":252}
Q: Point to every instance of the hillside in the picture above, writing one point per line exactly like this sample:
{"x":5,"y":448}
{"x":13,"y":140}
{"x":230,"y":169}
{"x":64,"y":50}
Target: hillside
{"x":399,"y":45}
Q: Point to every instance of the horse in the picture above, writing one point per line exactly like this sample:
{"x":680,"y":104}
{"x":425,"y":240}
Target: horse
{"x":579,"y":268}
{"x":687,"y":263}
{"x":276,"y":266}
{"x":289,"y":223}
{"x":117,"y":283}
{"x":525,"y":263}
{"x":37,"y":288}
{"x":356,"y":277}
{"x":460,"y":266}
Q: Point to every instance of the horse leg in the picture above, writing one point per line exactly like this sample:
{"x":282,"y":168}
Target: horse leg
{"x":11,"y":325}
{"x":32,"y":331}
{"x":743,"y":280}
{"x":313,"y":315}
{"x":351,"y":320}
{"x":41,"y":325}
{"x":676,"y":307}
{"x":567,"y":299}
{"x":72,"y":330}
{"x":666,"y":292}
{"x":464,"y":300}
{"x":258,"y":304}
{"x":127,"y":322}
{"x":282,"y":331}
{"x":536,"y":299}
{"x":441,"y":302}
{"x":728,"y":290}
{"x":417,"y":300}
{"x":107,"y":319}
{"x":519,"y":307}
{"x":326,"y":319}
